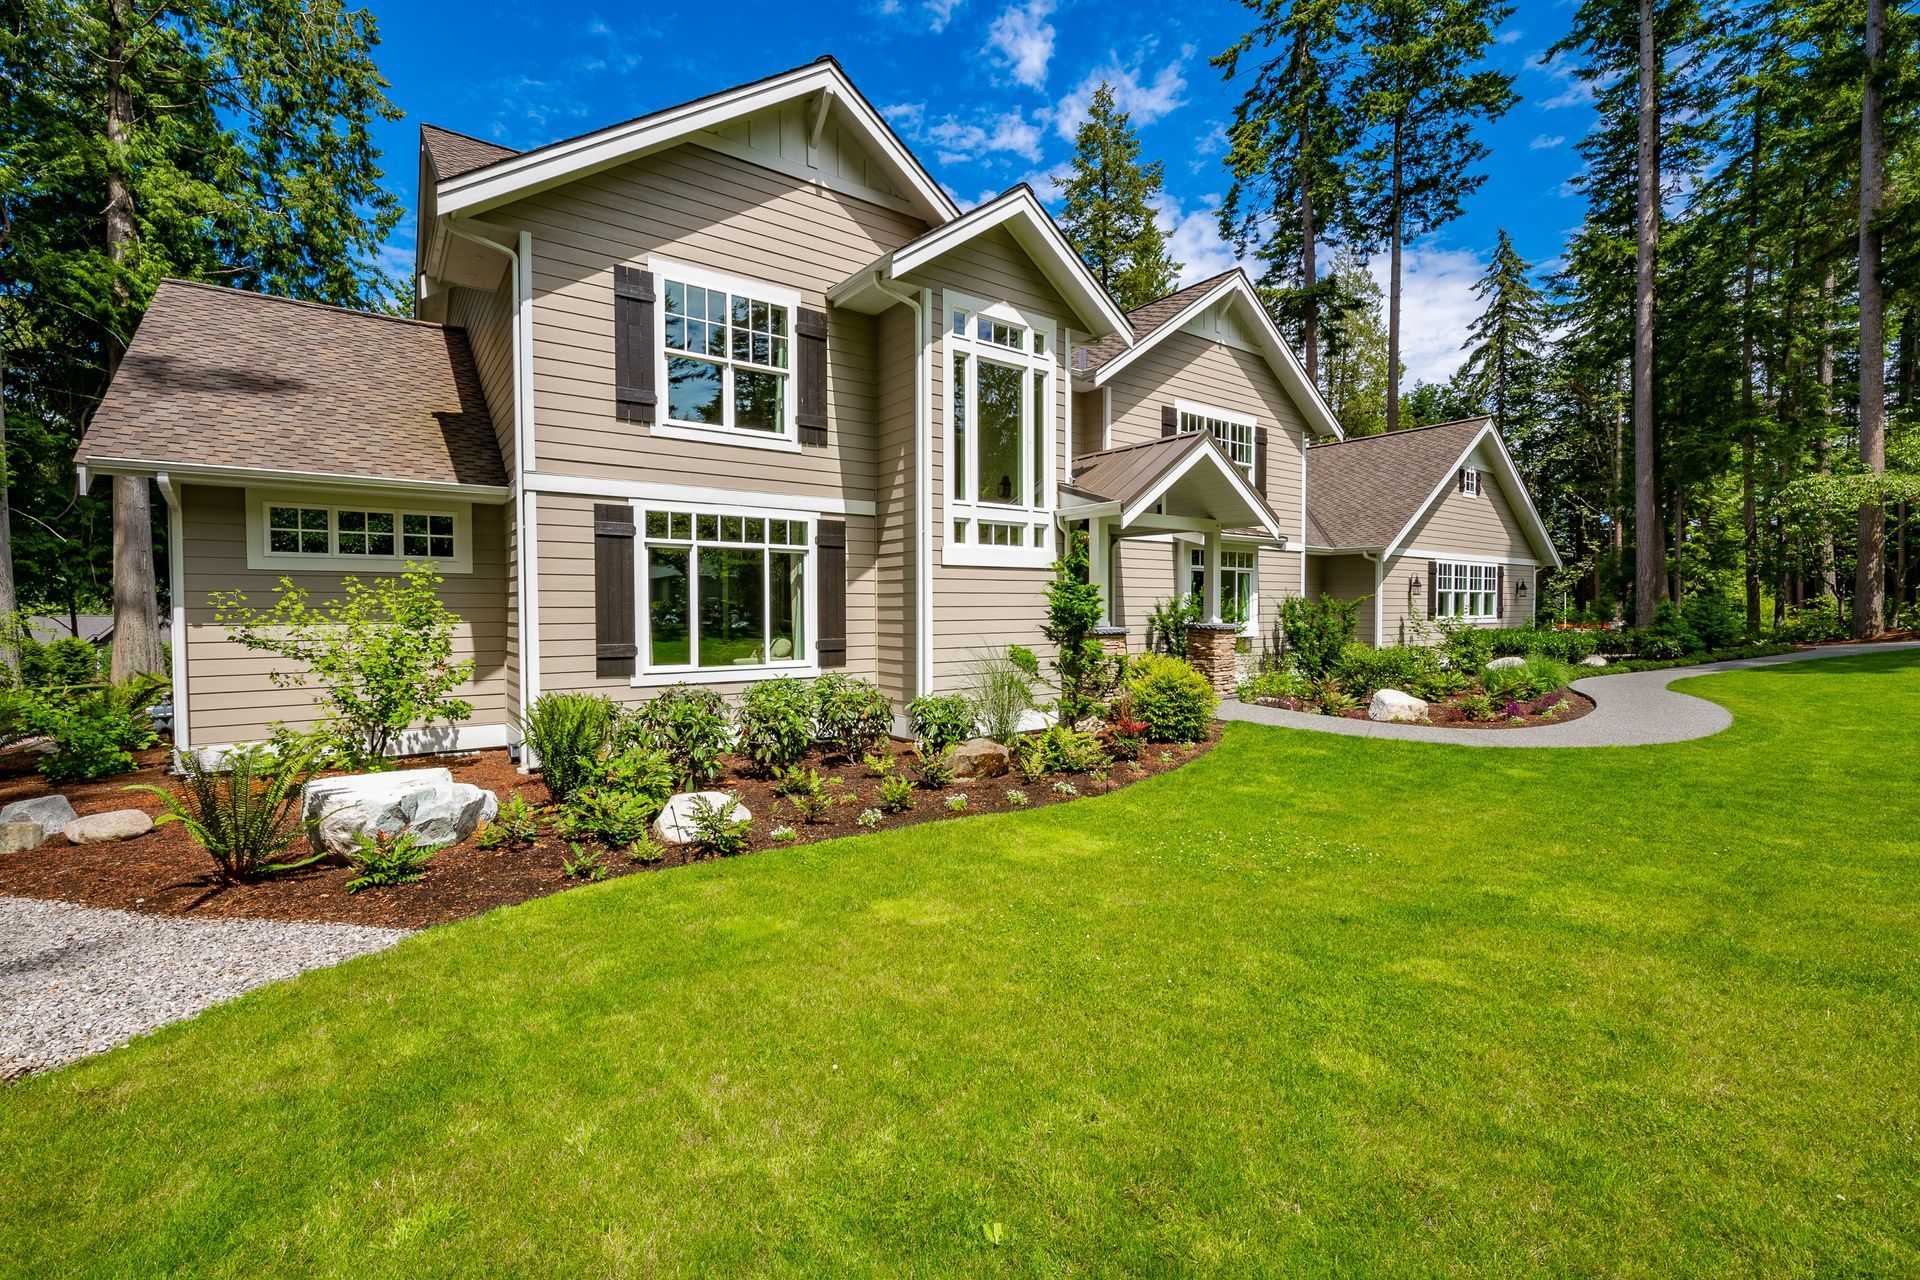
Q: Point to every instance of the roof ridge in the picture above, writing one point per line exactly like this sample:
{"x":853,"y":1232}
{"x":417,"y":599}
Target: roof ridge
{"x":1185,"y":288}
{"x":455,"y":133}
{"x":1403,"y":431}
{"x":302,"y":302}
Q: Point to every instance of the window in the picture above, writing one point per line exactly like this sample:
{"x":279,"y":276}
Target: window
{"x":727,"y":349}
{"x":1238,"y":584}
{"x":1470,"y":481}
{"x":724,"y":590}
{"x":1467,"y":591}
{"x":365,"y":533}
{"x":288,"y":532}
{"x":1000,"y":436}
{"x":299,"y":531}
{"x":1234,"y":431}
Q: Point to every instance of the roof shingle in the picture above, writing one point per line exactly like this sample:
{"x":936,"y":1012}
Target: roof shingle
{"x":1362,"y":491}
{"x":1145,"y":320}
{"x":223,"y":378}
{"x":456,"y":153}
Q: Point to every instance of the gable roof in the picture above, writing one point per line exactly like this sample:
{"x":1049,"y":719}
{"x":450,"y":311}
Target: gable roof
{"x":1020,"y":212}
{"x":1366,"y":493}
{"x":220,"y":380}
{"x":1142,"y":321}
{"x":510,"y":177}
{"x":1136,"y":476}
{"x":456,"y":153}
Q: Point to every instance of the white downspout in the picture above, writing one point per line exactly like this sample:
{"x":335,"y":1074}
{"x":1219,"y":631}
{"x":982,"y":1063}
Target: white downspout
{"x":177,"y":606}
{"x":1379,"y":616}
{"x":922,"y":308}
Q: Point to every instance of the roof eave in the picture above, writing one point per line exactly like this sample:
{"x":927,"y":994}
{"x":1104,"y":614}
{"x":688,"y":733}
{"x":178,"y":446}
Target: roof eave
{"x":86,"y":468}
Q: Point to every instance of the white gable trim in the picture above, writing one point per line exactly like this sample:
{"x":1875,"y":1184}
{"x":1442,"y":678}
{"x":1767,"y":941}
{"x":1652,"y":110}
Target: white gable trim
{"x":549,"y":166}
{"x":1273,"y":344}
{"x":1509,"y":477}
{"x":1211,"y":451}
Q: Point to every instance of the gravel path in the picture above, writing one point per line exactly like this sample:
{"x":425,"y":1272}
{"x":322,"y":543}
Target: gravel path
{"x":80,"y":980}
{"x":1632,"y":710}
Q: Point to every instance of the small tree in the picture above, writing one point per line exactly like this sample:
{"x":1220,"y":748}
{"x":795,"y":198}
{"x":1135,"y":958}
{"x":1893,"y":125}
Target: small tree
{"x":382,"y":654}
{"x":1082,"y":670}
{"x":1314,"y":632}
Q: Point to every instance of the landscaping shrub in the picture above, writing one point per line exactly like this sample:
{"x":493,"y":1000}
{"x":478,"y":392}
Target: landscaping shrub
{"x":1712,"y":655}
{"x":1670,"y":636}
{"x":641,"y":771}
{"x":1329,"y":699}
{"x":1531,"y":679}
{"x":1567,"y":646}
{"x":568,"y":733}
{"x":57,"y":663}
{"x":809,"y":792}
{"x":1817,"y":622}
{"x":1467,"y":647}
{"x":608,"y":815}
{"x":776,"y":722}
{"x":1714,"y":622}
{"x":941,"y":720}
{"x":716,"y":832}
{"x":851,"y":714}
{"x":687,"y":722}
{"x":934,"y":769}
{"x":1363,"y":671}
{"x":95,"y":728}
{"x":896,"y":795}
{"x":1064,"y":750}
{"x":1440,"y":683}
{"x":381,"y":859}
{"x":582,"y":863}
{"x":1001,"y":691}
{"x":1171,"y":697}
{"x":1029,"y":757}
{"x":1315,"y":631}
{"x":381,"y":654}
{"x":244,"y":815}
{"x":1479,"y":706}
{"x":1126,"y":731}
{"x":1167,"y":623}
{"x":1275,"y":683}
{"x":1084,"y":673}
{"x":517,"y":822}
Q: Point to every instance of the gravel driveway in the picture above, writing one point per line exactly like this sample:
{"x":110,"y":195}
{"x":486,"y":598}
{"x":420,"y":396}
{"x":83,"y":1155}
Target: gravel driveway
{"x":80,"y":980}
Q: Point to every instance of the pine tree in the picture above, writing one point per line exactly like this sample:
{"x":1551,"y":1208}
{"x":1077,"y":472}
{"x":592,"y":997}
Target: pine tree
{"x":1506,"y":346}
{"x":1109,"y":213}
{"x":1353,"y":372}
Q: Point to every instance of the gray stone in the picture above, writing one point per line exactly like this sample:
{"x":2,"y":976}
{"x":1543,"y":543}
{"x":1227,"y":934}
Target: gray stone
{"x":428,"y":802}
{"x":980,"y":758}
{"x":115,"y":824}
{"x":18,"y":837}
{"x":1395,"y":706}
{"x":1501,"y":664}
{"x":327,"y":794}
{"x":675,"y":823}
{"x":1593,"y":660}
{"x":448,"y":814}
{"x":53,"y":813}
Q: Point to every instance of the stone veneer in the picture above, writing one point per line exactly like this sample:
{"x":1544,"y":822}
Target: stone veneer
{"x":1210,"y":647}
{"x":1112,"y":639}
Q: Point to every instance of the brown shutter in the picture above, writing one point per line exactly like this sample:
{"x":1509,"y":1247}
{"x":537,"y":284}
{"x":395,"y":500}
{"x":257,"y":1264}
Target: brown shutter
{"x":614,"y":615}
{"x":1169,"y":420}
{"x":1500,"y":594}
{"x":810,"y":358}
{"x":1460,"y":480}
{"x":1433,"y":587}
{"x":831,"y":538}
{"x":634,"y":394}
{"x":1260,"y":460}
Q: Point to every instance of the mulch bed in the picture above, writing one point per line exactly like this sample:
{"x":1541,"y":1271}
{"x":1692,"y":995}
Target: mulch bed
{"x":164,"y":872}
{"x":1444,"y":715}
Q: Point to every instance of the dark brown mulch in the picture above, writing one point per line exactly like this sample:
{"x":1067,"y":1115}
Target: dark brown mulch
{"x":1444,"y":715}
{"x":164,"y":872}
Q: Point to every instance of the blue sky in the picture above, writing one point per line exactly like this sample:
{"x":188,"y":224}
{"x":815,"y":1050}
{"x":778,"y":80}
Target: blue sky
{"x":986,"y":91}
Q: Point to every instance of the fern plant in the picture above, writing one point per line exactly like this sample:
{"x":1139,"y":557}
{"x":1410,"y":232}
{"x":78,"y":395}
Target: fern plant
{"x":896,"y":795}
{"x":385,"y":858}
{"x":568,"y":733}
{"x":517,"y":823}
{"x":246,"y":816}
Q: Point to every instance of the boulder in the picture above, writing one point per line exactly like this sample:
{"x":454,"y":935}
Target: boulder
{"x":428,"y":802}
{"x":980,"y":758}
{"x":675,"y":823}
{"x":1501,"y":664}
{"x":115,"y":824}
{"x":1593,"y":660}
{"x":53,"y":813}
{"x":1393,"y":705}
{"x":18,"y":837}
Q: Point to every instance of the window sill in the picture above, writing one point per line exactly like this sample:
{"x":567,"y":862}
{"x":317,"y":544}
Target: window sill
{"x":730,"y":437}
{"x":721,"y":675}
{"x":271,"y":563}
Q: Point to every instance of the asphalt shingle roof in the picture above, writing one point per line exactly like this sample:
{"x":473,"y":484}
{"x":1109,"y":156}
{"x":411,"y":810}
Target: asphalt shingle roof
{"x":1145,"y":320}
{"x":223,"y":378}
{"x":456,"y":153}
{"x":1362,"y":491}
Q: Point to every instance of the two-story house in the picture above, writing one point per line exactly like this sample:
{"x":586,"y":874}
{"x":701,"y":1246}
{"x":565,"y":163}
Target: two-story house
{"x":735,"y":390}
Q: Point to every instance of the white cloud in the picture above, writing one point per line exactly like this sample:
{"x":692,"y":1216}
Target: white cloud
{"x":940,"y":13}
{"x":957,"y":142}
{"x":905,"y":116}
{"x":1193,"y":238}
{"x":1507,"y":37}
{"x":1436,"y":308}
{"x":1574,"y":91}
{"x":1542,"y":142}
{"x":1024,"y":38}
{"x":1144,"y":100}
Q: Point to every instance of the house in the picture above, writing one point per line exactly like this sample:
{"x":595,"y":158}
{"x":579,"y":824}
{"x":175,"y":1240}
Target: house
{"x":728,"y":391}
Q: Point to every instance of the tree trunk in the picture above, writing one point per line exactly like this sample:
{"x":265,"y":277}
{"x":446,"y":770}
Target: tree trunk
{"x":1677,"y":587}
{"x":1870,"y":576}
{"x":9,"y":654}
{"x":136,"y":609}
{"x":1822,"y":444}
{"x":1749,"y":517}
{"x":1309,"y":273}
{"x":1647,"y":541}
{"x":1393,"y":295}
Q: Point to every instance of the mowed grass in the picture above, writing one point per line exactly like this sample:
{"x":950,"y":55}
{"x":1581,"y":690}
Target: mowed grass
{"x":1313,"y":1005}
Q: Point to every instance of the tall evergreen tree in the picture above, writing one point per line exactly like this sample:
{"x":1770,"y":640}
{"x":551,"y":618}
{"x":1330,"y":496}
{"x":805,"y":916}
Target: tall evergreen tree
{"x":1417,"y":94}
{"x":1109,"y":213}
{"x":1506,"y":347}
{"x":1353,"y":373}
{"x":1870,"y":574}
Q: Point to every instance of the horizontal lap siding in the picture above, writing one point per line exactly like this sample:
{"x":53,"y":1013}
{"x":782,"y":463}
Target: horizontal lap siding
{"x":231,"y":696}
{"x":1350,"y":578}
{"x":896,"y":566}
{"x":1486,"y":526}
{"x":1147,"y":576}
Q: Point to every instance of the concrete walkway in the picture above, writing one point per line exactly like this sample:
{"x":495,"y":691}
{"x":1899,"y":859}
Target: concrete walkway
{"x":1632,"y":710}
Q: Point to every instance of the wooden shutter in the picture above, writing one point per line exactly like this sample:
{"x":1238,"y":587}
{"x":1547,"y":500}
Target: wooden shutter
{"x":634,"y":394}
{"x":614,"y":614}
{"x":1433,"y":588}
{"x":830,"y":538}
{"x":1460,"y":480}
{"x":1500,"y":594}
{"x":1260,"y":460}
{"x":1169,"y":420}
{"x":810,"y":362}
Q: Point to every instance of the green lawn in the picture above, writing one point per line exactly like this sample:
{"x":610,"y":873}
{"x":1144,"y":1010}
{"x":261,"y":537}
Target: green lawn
{"x":1313,"y":1005}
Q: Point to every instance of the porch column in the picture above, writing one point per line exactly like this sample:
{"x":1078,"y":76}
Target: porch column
{"x":1212,"y":553}
{"x":1100,"y":565}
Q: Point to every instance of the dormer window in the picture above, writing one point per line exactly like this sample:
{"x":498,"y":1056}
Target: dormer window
{"x":1001,"y":424}
{"x":1470,"y":481}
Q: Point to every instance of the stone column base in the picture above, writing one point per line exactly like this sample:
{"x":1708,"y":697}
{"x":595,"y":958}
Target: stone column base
{"x":1112,"y":639}
{"x":1210,"y":647}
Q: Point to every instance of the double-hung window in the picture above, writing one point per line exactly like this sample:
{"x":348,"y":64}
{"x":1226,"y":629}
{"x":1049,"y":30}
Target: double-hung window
{"x":1234,"y":431}
{"x":1470,"y":592}
{"x":1239,"y":584}
{"x":289,"y":531}
{"x":725,"y":591}
{"x":1001,"y":427}
{"x":726,"y":353}
{"x":1470,"y":481}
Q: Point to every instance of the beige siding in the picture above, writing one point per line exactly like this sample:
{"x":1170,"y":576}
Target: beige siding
{"x":1349,"y":578}
{"x":230,"y":693}
{"x":1151,"y":570}
{"x":1485,"y":527}
{"x":488,"y":320}
{"x":897,"y":532}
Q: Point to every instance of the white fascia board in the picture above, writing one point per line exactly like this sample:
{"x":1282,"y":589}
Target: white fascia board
{"x":1209,"y":450}
{"x":1514,"y":484}
{"x":645,"y":491}
{"x":203,"y":474}
{"x":548,"y":166}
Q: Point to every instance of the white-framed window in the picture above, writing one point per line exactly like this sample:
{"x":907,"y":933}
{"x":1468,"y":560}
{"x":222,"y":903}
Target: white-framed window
{"x":295,"y":531}
{"x":1239,"y":584}
{"x":725,"y":357}
{"x":724,"y":590}
{"x":1002,"y":424}
{"x":1470,"y":481}
{"x":1234,"y":431}
{"x":1469,"y":592}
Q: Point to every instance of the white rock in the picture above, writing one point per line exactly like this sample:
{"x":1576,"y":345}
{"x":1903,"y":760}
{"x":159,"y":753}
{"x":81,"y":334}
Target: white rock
{"x":1393,"y":705}
{"x":426,"y":801}
{"x":448,"y":814}
{"x":675,"y":823}
{"x":980,"y":758}
{"x":327,"y":794}
{"x":1501,"y":664}
{"x":53,"y":813}
{"x":1593,"y":660}
{"x":116,"y":824}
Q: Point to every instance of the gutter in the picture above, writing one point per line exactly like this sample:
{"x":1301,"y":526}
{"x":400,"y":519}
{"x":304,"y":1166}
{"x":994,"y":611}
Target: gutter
{"x":1379,"y":559}
{"x":921,"y":307}
{"x":176,"y":607}
{"x":93,"y":468}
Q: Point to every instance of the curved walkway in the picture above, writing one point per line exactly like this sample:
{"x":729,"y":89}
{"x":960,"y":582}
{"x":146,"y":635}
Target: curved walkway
{"x":1632,"y":710}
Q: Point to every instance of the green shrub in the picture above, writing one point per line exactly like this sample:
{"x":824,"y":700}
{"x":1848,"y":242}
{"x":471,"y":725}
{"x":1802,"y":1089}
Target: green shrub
{"x":517,"y":822}
{"x":568,"y":733}
{"x":1363,"y":671}
{"x":1818,"y":621}
{"x":896,"y":795}
{"x":245,"y":815}
{"x":58,"y":663}
{"x":1467,"y":647}
{"x":382,"y":859}
{"x":851,"y":715}
{"x":1714,"y":622}
{"x":1029,"y":757}
{"x":1440,"y":683}
{"x":941,"y":720}
{"x":1479,"y":706}
{"x":1315,"y":631}
{"x":1001,"y":691}
{"x":1329,"y":699}
{"x":582,"y":863}
{"x":646,"y":852}
{"x":1275,"y":683}
{"x":1670,"y":636}
{"x":776,"y":722}
{"x":95,"y":728}
{"x":646,"y":772}
{"x":809,"y":792}
{"x":1531,"y":679}
{"x":1521,"y":642}
{"x":608,"y":815}
{"x":1171,"y":697}
{"x":1064,"y":750}
{"x":689,"y":723}
{"x":880,"y":764}
{"x":716,"y":832}
{"x":934,"y":769}
{"x":1167,"y":623}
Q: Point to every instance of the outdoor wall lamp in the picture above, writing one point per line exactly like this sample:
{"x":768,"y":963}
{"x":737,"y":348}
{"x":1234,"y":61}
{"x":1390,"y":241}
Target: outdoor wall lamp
{"x":1520,"y":590}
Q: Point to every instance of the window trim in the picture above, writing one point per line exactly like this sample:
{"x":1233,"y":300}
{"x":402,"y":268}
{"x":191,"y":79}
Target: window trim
{"x":1232,"y":417}
{"x":260,"y":554}
{"x":1470,"y":481}
{"x":787,"y":441}
{"x":1184,"y":581}
{"x":645,"y":673}
{"x":1452,"y":566}
{"x":960,"y":519}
